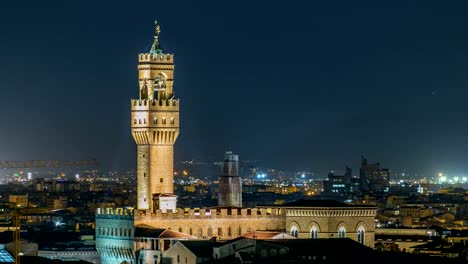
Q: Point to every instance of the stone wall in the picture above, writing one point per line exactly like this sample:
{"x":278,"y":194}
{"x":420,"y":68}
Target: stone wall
{"x":328,"y":221}
{"x":114,"y":235}
{"x":221,"y":223}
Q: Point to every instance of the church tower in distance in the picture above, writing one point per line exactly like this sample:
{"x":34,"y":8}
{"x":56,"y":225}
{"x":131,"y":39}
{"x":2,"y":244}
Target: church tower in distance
{"x":230,"y":183}
{"x":155,"y":127}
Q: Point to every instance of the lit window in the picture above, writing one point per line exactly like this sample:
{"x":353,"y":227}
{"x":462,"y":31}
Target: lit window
{"x":314,"y":232}
{"x":294,"y":231}
{"x":341,"y":232}
{"x":360,"y":235}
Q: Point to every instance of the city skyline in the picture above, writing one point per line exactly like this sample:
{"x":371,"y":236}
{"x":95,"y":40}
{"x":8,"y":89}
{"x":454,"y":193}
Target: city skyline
{"x":300,"y":86}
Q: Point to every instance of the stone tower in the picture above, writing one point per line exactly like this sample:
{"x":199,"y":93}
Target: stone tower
{"x":115,"y":232}
{"x":230,"y":183}
{"x":155,"y":127}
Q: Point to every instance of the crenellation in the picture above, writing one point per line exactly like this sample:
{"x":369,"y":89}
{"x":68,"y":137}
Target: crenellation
{"x":156,"y":58}
{"x":115,"y":212}
{"x":155,"y":105}
{"x":219,"y":213}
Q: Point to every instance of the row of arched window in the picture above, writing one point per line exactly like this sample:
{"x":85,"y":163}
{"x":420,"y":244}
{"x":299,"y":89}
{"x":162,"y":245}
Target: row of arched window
{"x":230,"y":231}
{"x":114,"y":231}
{"x":140,"y":121}
{"x":341,"y":233}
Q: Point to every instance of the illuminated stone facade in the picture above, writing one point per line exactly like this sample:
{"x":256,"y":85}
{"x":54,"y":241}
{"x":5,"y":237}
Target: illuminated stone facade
{"x":223,"y":223}
{"x":336,"y":221}
{"x":155,"y":127}
{"x":114,"y":235}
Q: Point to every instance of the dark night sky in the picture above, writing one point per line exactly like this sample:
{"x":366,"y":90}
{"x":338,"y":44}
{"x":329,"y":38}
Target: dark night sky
{"x":295,"y":85}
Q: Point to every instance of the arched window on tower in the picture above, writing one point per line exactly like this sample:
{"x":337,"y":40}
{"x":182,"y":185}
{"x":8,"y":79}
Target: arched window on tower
{"x":314,"y":232}
{"x":159,"y":83}
{"x":360,"y":234}
{"x":144,"y":92}
{"x":341,"y":232}
{"x":294,"y":231}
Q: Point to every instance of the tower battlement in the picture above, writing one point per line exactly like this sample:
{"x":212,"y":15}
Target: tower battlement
{"x":155,"y":105}
{"x":116,"y":213}
{"x":184,"y":213}
{"x":156,"y":58}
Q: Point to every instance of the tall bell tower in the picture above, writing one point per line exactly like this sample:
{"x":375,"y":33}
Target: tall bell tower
{"x":155,"y":127}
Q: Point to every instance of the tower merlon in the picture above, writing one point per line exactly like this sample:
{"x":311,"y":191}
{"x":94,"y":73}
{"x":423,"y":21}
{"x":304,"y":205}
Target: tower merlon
{"x":115,"y":212}
{"x":157,"y":58}
{"x":155,"y":105}
{"x":213,"y":213}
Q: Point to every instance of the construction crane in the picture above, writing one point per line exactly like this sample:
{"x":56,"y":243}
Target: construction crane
{"x":16,"y":236}
{"x":47,"y":164}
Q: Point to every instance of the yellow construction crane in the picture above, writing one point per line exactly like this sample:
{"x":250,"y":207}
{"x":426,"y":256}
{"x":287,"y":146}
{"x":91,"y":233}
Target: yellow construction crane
{"x":16,"y":235}
{"x":46,"y":163}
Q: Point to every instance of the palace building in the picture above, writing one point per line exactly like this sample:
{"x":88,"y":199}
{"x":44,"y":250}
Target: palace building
{"x":155,"y":127}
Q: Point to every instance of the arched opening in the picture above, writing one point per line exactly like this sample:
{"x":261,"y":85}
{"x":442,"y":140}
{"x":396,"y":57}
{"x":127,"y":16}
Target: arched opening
{"x":159,"y":84}
{"x":144,"y":92}
{"x":294,"y":231}
{"x":360,"y":234}
{"x":314,"y":232}
{"x":341,"y":232}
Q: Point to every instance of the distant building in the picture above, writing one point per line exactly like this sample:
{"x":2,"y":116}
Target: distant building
{"x":373,"y":178}
{"x":230,"y":183}
{"x":340,"y":185}
{"x":58,"y":202}
{"x":18,"y":200}
{"x":334,"y":185}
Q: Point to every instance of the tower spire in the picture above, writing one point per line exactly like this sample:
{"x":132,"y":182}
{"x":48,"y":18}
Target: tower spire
{"x":156,"y":48}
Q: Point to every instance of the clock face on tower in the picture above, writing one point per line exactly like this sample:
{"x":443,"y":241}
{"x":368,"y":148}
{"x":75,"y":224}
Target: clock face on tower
{"x":159,"y":83}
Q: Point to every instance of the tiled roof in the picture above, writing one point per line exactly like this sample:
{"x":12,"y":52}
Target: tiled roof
{"x":267,"y":235}
{"x":320,"y":203}
{"x":147,"y":231}
{"x":5,"y":257}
